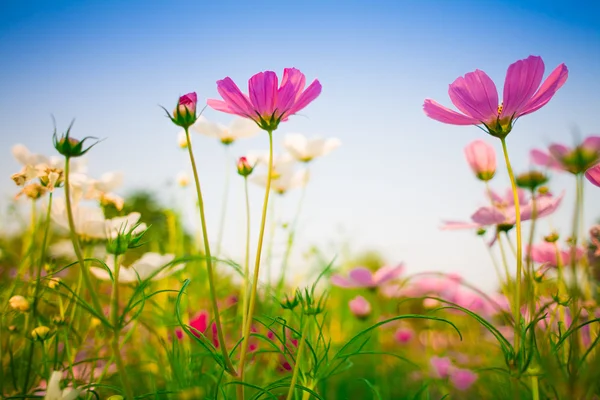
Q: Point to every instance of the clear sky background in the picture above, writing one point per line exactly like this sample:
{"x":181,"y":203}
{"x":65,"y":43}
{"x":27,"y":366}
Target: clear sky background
{"x":109,"y":64}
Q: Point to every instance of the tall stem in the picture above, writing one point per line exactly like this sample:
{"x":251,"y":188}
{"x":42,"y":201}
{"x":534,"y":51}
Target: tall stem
{"x":117,"y":330}
{"x":517,"y":313}
{"x":257,"y":262}
{"x":209,"y":266}
{"x":77,"y":247}
{"x":298,"y":358}
{"x":529,"y":270}
{"x":37,"y":287}
{"x":292,"y":235}
{"x":246,"y":259}
{"x":224,"y":201}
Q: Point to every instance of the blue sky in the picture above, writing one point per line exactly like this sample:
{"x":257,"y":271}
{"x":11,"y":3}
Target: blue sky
{"x":109,"y":64}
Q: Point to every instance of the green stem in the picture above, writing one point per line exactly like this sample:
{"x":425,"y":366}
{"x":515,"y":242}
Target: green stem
{"x":257,"y":262}
{"x":224,"y":201}
{"x":246,"y":259}
{"x":517,"y":313}
{"x":38,"y":280}
{"x":297,"y":364}
{"x":76,"y":246}
{"x":530,"y":274}
{"x":117,"y":330}
{"x":504,"y":260}
{"x":291,"y":236}
{"x":535,"y":388}
{"x":209,"y":266}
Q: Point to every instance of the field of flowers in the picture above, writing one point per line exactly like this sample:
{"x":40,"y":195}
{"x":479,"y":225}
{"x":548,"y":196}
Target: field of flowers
{"x":111,"y":298}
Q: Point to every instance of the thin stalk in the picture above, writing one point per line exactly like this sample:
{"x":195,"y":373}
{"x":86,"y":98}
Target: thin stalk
{"x":292,"y":235}
{"x":209,"y":266}
{"x":246,"y":258}
{"x":257,"y":264}
{"x":517,"y":314}
{"x":37,"y":287}
{"x":530,"y":275}
{"x":504,"y":260}
{"x":224,"y":201}
{"x":535,"y":388}
{"x":117,"y":330}
{"x":298,"y":358}
{"x":76,"y":246}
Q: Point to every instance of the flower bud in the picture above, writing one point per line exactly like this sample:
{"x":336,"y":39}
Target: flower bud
{"x":243,"y":167}
{"x":184,"y":114}
{"x":531,"y":180}
{"x":34,"y":191}
{"x":360,"y":307}
{"x":19,"y":303}
{"x":182,"y":179}
{"x":289,"y":304}
{"x":71,"y":147}
{"x":58,"y":320}
{"x":482,"y":159}
{"x":551,"y":238}
{"x":127,"y":239}
{"x":40,"y":333}
{"x":182,"y":140}
{"x":53,"y":282}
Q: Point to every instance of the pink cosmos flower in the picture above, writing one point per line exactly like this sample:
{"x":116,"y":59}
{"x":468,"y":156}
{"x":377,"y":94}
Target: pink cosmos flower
{"x":360,"y":307}
{"x":198,"y":327}
{"x":476,"y":96}
{"x":563,"y":158}
{"x":362,"y":277}
{"x":268,"y":103}
{"x":440,"y":366}
{"x":482,"y":159}
{"x":187,"y":103}
{"x":546,"y":253}
{"x":404,"y":335}
{"x":502,"y":211}
{"x":593,"y":175}
{"x":462,"y":379}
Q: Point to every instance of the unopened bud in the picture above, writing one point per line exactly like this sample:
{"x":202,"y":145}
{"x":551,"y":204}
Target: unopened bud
{"x":19,"y":303}
{"x":40,"y":333}
{"x":531,"y":180}
{"x":551,"y":238}
{"x":243,"y":167}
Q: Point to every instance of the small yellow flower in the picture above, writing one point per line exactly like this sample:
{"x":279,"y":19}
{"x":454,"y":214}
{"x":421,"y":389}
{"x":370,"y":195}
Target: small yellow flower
{"x":95,"y":322}
{"x":53,"y":283}
{"x":40,"y":333}
{"x":19,"y":303}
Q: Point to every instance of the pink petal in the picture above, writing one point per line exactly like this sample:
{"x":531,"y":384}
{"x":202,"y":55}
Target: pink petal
{"x":387,"y":273}
{"x":475,"y":94}
{"x":543,"y":252}
{"x":362,"y":276}
{"x":262,"y":88}
{"x":338,"y":280}
{"x":522,"y":80}
{"x":593,"y":175}
{"x":220,"y":105}
{"x":440,"y":113}
{"x":462,"y":379}
{"x":494,"y":196}
{"x":592,"y":143}
{"x":458,"y":225}
{"x":544,"y":159}
{"x":553,"y":82}
{"x":312,"y":92}
{"x":545,"y":206}
{"x":235,"y":99}
{"x":559,"y":151}
{"x":488,"y":216}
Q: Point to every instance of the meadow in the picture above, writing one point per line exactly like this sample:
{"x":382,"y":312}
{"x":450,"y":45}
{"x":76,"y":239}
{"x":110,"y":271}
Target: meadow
{"x":105,"y":297}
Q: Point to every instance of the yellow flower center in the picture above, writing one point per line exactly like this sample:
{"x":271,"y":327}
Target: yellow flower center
{"x":500,"y":107}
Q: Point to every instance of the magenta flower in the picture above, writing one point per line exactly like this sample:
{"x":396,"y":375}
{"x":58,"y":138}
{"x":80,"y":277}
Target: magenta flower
{"x":360,"y":307}
{"x":575,"y":160}
{"x":502,"y":211}
{"x":184,"y":114}
{"x":362,"y":277}
{"x":482,"y":159}
{"x":440,"y":366}
{"x":268,"y":103}
{"x":546,"y":253}
{"x":404,"y":335}
{"x":462,"y":379}
{"x":476,"y":96}
{"x":593,"y":175}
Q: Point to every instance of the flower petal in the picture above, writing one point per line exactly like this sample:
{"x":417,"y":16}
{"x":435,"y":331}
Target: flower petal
{"x":488,"y":216}
{"x":436,"y":111}
{"x":312,"y":92}
{"x":242,"y":128}
{"x":522,"y":80}
{"x":541,"y":158}
{"x":475,"y":95}
{"x":262,"y":88}
{"x":458,"y":225}
{"x":593,"y":175}
{"x":209,"y":128}
{"x":592,"y":143}
{"x":553,"y":82}
{"x":362,"y":276}
{"x":237,"y":101}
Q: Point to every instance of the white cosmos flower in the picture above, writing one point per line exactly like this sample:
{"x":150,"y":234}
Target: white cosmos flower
{"x":53,"y":391}
{"x":143,"y":268}
{"x":90,"y":222}
{"x":306,"y":149}
{"x":238,"y":129}
{"x":280,"y":161}
{"x":64,"y":249}
{"x":283,"y":179}
{"x":27,"y":158}
{"x":182,"y":179}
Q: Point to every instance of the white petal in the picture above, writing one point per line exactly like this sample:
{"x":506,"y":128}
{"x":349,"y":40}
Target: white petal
{"x":209,"y":128}
{"x":243,"y":128}
{"x":53,"y":391}
{"x":100,"y":273}
{"x":70,"y":394}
